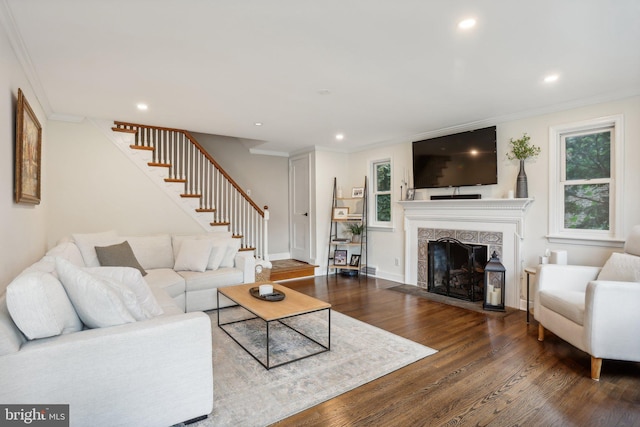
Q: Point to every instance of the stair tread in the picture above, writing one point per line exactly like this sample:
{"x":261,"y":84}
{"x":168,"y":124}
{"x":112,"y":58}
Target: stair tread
{"x":117,"y":129}
{"x":141,"y":147}
{"x":195,"y":196}
{"x":162,"y":165}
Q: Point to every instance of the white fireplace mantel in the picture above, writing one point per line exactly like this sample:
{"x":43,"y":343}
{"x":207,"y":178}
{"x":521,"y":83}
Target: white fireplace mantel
{"x":505,"y":216}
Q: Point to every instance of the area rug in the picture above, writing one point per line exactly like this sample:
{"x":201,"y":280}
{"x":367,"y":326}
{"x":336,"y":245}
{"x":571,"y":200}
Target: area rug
{"x":246,"y":394}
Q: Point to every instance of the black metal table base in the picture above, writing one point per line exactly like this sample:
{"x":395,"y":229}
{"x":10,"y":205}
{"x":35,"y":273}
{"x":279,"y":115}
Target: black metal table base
{"x":268,"y":365}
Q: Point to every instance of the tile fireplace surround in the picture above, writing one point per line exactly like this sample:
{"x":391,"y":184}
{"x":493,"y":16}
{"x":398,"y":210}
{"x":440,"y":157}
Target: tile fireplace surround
{"x":498,"y":223}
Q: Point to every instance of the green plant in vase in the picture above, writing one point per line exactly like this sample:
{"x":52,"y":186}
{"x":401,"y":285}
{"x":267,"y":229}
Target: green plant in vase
{"x":355,"y":228}
{"x":522,"y":149}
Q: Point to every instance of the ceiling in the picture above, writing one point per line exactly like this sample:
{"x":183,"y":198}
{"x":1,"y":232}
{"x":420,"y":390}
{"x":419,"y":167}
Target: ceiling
{"x":377,"y":71}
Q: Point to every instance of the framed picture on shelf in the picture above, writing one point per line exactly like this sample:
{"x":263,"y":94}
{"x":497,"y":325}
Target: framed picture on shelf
{"x":357,"y":192}
{"x":28,"y":152}
{"x":411,"y":193}
{"x":355,"y":260}
{"x":340,"y":257}
{"x":341,"y":213}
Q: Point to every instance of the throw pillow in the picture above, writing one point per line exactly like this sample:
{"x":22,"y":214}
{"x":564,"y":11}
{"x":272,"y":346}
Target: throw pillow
{"x":232,"y":249}
{"x":87,"y":243}
{"x":621,"y":268}
{"x":119,"y":255}
{"x":128,"y":298}
{"x":96,"y":303}
{"x":218,"y":250}
{"x":194,"y":255}
{"x":39,"y":306}
{"x":153,"y":251}
{"x":131,"y":278}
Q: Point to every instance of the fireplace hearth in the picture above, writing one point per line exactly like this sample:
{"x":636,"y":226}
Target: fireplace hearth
{"x":456,"y":269}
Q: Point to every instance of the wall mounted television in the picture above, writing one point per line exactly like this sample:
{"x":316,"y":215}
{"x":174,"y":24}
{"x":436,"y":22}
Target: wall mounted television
{"x":458,"y":160}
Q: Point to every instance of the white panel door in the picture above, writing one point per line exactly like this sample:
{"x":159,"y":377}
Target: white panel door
{"x":300,"y":206}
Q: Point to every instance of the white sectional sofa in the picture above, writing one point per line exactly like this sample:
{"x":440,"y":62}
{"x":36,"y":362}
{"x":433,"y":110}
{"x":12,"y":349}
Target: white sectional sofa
{"x":189,"y":268}
{"x":115,"y":345}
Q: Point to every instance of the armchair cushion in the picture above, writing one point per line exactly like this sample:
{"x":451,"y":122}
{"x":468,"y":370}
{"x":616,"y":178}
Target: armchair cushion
{"x":621,"y":268}
{"x":569,"y":304}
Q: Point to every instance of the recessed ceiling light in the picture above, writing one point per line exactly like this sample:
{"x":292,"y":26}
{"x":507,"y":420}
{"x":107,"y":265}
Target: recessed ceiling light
{"x":339,"y":137}
{"x":258,"y":123}
{"x":465,"y":24}
{"x":551,"y":78}
{"x":142,"y":107}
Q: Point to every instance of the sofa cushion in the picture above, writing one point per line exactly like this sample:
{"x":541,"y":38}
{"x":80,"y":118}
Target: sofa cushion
{"x":47,"y":264}
{"x":153,"y":251}
{"x":11,"y":339}
{"x":96,"y":303}
{"x":569,"y":304}
{"x":134,"y":281}
{"x":118,"y":255}
{"x":87,"y":243}
{"x":621,"y":268}
{"x":68,"y":250}
{"x":193,"y":255}
{"x":39,"y":306}
{"x":167,"y":280}
{"x":211,"y":279}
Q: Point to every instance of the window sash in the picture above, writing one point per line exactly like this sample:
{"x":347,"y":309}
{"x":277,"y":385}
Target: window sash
{"x":558,"y":233}
{"x":382,"y":218}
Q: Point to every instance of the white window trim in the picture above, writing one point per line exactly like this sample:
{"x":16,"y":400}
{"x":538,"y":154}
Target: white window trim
{"x":557,"y":233}
{"x":373,"y":223}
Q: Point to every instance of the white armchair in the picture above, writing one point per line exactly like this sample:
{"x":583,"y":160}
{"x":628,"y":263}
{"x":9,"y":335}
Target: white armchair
{"x":595,"y":309}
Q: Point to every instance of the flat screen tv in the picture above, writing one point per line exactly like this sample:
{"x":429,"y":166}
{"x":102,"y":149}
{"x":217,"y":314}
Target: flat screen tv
{"x":463,"y":159}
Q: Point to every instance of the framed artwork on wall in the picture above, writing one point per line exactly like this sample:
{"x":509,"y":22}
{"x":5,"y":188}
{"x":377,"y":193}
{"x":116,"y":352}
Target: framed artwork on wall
{"x":28,"y":153}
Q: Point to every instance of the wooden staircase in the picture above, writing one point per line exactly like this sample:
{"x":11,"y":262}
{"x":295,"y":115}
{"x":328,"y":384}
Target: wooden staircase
{"x":203,"y":182}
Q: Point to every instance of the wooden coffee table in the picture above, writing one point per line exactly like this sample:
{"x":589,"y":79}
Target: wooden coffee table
{"x":294,"y":304}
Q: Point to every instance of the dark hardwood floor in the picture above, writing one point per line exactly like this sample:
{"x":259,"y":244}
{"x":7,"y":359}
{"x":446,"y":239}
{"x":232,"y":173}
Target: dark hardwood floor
{"x":490,"y":369}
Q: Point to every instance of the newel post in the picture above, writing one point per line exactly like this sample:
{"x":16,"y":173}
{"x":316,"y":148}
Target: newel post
{"x":265,"y":238}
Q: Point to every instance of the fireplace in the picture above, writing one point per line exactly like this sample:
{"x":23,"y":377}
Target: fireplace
{"x":495,"y":223}
{"x":456,"y":269}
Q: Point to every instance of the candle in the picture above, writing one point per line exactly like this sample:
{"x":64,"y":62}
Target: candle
{"x":494,"y":298}
{"x":489,"y":291}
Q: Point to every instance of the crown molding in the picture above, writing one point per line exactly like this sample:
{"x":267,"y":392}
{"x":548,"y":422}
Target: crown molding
{"x":20,"y":50}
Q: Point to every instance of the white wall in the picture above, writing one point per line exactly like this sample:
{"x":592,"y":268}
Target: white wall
{"x":22,"y":229}
{"x":386,"y":246}
{"x":266,"y":177}
{"x":328,"y":165}
{"x":94,"y":187}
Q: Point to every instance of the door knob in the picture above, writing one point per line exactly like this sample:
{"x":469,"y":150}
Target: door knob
{"x":306,"y":214}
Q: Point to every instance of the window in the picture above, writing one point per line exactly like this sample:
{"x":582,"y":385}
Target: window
{"x":586,"y":176}
{"x":381,"y":191}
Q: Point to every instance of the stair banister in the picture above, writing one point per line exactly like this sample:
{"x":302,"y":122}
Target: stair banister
{"x":189,"y":163}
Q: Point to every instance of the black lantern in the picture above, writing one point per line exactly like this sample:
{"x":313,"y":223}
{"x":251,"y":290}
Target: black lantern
{"x":494,"y":279}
